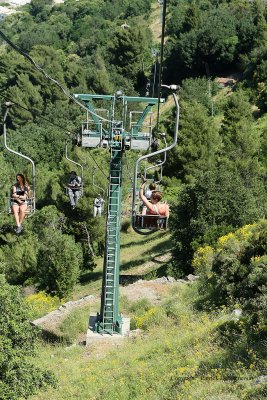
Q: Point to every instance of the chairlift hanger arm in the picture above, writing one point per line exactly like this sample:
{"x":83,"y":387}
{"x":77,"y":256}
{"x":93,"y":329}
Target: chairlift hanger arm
{"x":162,"y":162}
{"x":8,"y":105}
{"x":11,"y":150}
{"x":166,"y":148}
{"x":98,"y":187}
{"x":172,"y":87}
{"x":74,"y":162}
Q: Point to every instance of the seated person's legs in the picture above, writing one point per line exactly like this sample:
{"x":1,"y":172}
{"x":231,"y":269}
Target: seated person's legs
{"x":71,"y":196}
{"x":77,"y":196}
{"x":95,"y":211}
{"x":15,"y":210}
{"x":22,"y":210}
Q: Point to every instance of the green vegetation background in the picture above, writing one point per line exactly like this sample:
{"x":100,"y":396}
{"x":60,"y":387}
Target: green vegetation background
{"x":214,"y":180}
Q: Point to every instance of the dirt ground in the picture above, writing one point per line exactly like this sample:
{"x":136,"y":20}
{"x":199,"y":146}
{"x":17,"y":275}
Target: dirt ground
{"x":152,"y":290}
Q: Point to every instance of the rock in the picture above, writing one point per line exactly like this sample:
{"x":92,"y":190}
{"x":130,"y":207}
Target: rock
{"x":89,"y":297}
{"x":171,"y":279}
{"x":165,"y":279}
{"x":261,"y":379}
{"x":182,"y":281}
{"x":192,"y":278}
{"x":236,"y":314}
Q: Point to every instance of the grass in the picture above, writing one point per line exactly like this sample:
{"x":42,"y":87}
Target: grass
{"x":130,"y":258}
{"x":183,"y":352}
{"x":177,"y":357}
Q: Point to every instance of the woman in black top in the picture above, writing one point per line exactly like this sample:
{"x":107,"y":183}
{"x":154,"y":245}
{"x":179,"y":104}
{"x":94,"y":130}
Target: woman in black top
{"x":19,"y":200}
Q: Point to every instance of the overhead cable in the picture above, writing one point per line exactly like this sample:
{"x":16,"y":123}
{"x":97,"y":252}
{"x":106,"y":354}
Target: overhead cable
{"x":161,"y":57}
{"x":34,"y":113}
{"x":69,"y":95}
{"x":54,"y":124}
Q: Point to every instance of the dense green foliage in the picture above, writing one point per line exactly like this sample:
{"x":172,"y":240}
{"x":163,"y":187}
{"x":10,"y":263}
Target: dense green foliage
{"x":234,"y":272}
{"x":215,"y":204}
{"x":215,"y":178}
{"x":18,"y":377}
{"x":221,"y":34}
{"x":102,"y":46}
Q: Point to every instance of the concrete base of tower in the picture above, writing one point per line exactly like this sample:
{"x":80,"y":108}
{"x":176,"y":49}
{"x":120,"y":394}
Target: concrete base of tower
{"x":94,"y":337}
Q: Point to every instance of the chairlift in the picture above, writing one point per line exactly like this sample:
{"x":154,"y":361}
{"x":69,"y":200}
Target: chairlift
{"x":140,"y":140}
{"x":31,"y":195}
{"x":147,"y":224}
{"x":94,"y":129}
{"x":98,"y":189}
{"x":75,"y":163}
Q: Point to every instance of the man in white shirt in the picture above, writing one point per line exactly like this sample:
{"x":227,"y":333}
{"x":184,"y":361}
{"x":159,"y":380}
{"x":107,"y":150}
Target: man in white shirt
{"x":98,"y":205}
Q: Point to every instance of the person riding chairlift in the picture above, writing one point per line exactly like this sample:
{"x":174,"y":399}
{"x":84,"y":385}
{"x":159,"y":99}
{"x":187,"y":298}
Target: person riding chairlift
{"x":98,"y":205}
{"x":74,"y":189}
{"x":148,"y":193}
{"x":18,"y":202}
{"x":153,"y":206}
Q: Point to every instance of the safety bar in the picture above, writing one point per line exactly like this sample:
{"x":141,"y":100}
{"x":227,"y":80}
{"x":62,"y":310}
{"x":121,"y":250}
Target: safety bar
{"x":8,"y":105}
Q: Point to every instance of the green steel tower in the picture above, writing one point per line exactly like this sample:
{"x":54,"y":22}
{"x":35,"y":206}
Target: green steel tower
{"x":131,"y":131}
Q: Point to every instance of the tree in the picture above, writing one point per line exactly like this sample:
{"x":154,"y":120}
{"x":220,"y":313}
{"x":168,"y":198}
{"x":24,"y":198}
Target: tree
{"x":128,"y":50}
{"x":58,"y":263}
{"x":138,"y":7}
{"x":218,"y":202}
{"x":198,"y":143}
{"x":192,"y":18}
{"x":40,"y":9}
{"x":205,"y":43}
{"x":18,"y":377}
{"x":240,"y":143}
{"x":99,"y":78}
{"x":175,"y":23}
{"x":21,"y":259}
{"x":27,"y":95}
{"x":259,"y":9}
{"x":197,"y":89}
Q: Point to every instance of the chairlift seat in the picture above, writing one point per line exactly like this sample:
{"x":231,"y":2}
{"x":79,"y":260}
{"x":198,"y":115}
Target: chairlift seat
{"x":30,"y":206}
{"x":91,"y":134}
{"x":151,"y":222}
{"x":90,"y":139}
{"x":141,"y":142}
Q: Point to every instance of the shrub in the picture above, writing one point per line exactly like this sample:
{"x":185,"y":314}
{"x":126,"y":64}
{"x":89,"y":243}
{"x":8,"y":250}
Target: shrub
{"x":126,"y":226}
{"x":216,"y":204}
{"x":41,"y":303}
{"x":237,"y":266}
{"x":58,"y":263}
{"x":154,"y":316}
{"x":18,"y":378}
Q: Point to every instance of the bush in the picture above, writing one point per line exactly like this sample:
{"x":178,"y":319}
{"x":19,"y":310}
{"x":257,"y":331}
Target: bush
{"x":18,"y":378}
{"x":41,"y":303}
{"x":58,"y":263}
{"x":217,"y":203}
{"x":126,"y":226}
{"x":237,"y":266}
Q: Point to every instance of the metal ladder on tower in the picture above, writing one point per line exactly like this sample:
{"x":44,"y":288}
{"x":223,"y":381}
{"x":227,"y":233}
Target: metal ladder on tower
{"x":112,"y":243}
